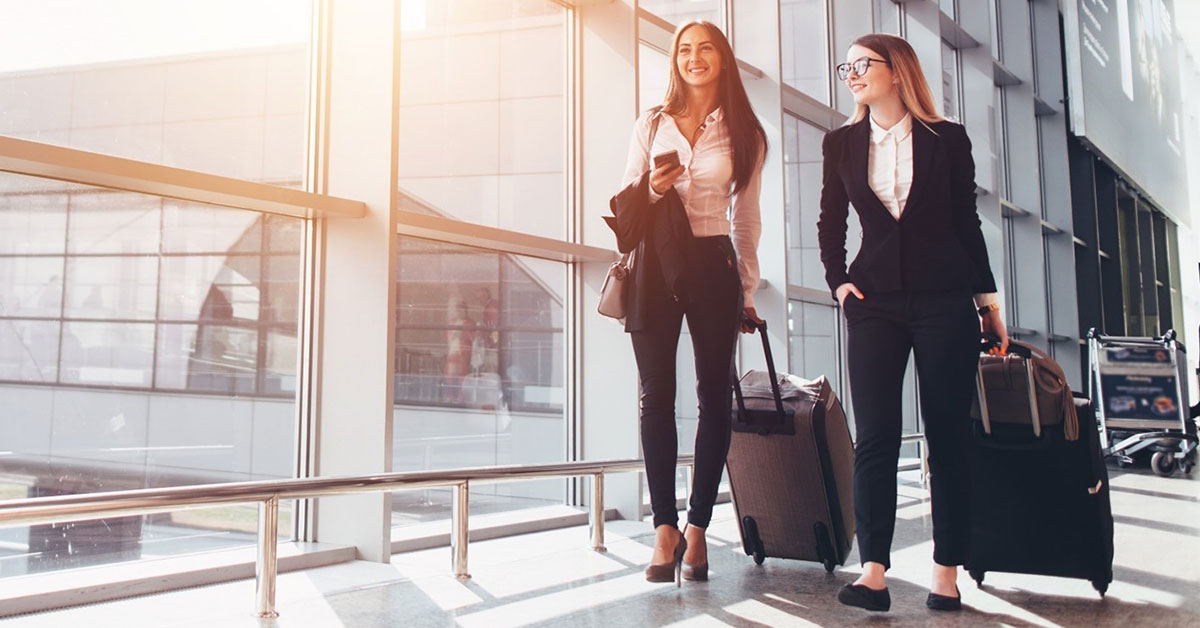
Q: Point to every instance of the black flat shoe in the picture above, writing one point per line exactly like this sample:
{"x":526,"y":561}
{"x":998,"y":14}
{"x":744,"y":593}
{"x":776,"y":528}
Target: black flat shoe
{"x":865,"y":597}
{"x":944,"y":602}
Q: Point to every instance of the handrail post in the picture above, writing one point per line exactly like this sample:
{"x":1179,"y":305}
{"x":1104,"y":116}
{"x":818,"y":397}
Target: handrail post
{"x":597,"y":519}
{"x":459,"y":535}
{"x":267,"y":565}
{"x":690,"y":470}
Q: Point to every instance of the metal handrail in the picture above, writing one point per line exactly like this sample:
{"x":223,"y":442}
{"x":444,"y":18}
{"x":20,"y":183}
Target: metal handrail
{"x":268,"y":493}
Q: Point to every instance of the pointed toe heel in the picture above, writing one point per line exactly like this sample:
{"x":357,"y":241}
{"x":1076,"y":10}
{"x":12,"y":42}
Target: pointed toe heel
{"x":672,"y":571}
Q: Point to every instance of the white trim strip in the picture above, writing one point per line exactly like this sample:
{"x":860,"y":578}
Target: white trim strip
{"x":37,"y":159}
{"x":429,"y":227}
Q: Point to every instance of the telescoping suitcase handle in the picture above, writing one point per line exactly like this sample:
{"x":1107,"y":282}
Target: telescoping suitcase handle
{"x":737,"y":387}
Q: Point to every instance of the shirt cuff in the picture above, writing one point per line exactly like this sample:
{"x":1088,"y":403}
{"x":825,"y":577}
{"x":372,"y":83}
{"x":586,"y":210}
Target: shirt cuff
{"x":653,"y":196}
{"x":986,"y":298}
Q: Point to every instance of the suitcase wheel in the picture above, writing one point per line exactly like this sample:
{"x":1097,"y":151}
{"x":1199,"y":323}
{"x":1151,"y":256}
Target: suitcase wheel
{"x":829,"y":564}
{"x":977,"y":575}
{"x":751,"y":542}
{"x":1101,"y":587}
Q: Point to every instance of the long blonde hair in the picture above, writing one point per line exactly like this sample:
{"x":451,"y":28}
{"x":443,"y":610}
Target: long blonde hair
{"x":914,"y":89}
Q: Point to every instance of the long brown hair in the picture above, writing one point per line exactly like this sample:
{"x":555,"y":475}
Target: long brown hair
{"x":914,"y":89}
{"x":745,"y":132}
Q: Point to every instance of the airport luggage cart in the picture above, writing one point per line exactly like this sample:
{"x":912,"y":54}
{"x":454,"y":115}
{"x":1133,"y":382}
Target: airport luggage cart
{"x":1140,"y":392}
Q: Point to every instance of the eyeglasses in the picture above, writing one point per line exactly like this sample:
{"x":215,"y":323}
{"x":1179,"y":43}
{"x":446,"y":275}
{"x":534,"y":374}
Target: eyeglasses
{"x":860,"y":65}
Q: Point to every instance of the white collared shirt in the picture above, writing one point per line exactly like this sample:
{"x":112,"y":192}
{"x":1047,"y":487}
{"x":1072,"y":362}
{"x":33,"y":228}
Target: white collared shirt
{"x":890,"y":164}
{"x":890,"y":173}
{"x":706,"y":187}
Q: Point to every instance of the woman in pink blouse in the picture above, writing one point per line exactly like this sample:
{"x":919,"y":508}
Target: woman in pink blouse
{"x":706,"y":120}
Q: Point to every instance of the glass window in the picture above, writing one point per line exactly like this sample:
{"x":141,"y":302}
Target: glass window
{"x":143,"y":342}
{"x":802,"y":203}
{"x":653,"y":76}
{"x":813,"y":333}
{"x":679,"y":11}
{"x":950,"y":92}
{"x":222,"y":91}
{"x":805,"y":53}
{"x":887,"y":16}
{"x":949,"y":8}
{"x":480,"y":371}
{"x":482,"y":112}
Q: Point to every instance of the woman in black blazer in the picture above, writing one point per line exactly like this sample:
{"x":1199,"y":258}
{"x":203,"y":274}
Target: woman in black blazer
{"x":909,"y":174}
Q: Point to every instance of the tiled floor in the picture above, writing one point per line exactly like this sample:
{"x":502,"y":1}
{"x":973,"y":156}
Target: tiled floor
{"x":551,"y":579}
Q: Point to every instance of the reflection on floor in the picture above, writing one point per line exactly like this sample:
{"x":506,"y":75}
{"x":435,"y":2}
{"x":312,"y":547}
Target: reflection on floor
{"x":551,"y":579}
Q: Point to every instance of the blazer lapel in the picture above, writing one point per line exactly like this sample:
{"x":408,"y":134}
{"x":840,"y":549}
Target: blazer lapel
{"x":855,"y":160}
{"x":924,"y":145}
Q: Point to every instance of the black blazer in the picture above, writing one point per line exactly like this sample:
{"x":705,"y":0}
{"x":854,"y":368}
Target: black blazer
{"x":936,"y":244}
{"x":662,"y":236}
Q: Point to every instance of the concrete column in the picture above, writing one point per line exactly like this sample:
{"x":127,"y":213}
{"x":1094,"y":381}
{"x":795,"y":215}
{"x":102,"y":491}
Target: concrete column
{"x":354,"y":335}
{"x":606,"y":36}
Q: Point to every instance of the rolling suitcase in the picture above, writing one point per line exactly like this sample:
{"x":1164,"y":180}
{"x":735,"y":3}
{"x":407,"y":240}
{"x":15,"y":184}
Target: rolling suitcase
{"x":791,"y":466}
{"x":1039,"y":500}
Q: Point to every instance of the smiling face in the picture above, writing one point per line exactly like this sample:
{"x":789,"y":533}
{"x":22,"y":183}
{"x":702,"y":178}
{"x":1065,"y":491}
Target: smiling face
{"x":874,"y":85}
{"x":697,"y":58}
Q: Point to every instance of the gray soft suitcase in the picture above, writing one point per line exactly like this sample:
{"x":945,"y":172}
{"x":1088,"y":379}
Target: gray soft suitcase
{"x":791,"y":466}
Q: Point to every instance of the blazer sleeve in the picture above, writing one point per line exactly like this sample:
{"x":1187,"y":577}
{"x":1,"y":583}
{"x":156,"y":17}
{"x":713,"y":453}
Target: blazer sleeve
{"x":831,"y":225}
{"x":964,"y":212}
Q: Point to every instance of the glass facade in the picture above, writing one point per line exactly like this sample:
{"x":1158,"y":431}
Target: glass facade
{"x":804,"y":42}
{"x":482,"y":112}
{"x":148,"y":341}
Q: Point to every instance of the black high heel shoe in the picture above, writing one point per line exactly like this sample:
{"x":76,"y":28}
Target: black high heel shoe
{"x":697,"y":572}
{"x":944,"y":602}
{"x":865,"y":597}
{"x":666,"y":572}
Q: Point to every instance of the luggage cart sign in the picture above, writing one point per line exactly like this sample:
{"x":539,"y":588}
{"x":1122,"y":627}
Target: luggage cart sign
{"x":1140,"y":392}
{"x":1150,"y":397}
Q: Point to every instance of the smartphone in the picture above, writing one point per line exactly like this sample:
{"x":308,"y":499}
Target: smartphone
{"x":669,"y":159}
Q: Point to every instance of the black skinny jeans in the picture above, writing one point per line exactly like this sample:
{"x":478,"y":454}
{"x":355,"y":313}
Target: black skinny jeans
{"x":713,"y":318}
{"x":942,"y":329}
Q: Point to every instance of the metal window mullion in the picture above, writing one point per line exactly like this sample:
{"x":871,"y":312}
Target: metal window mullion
{"x":573,"y":314}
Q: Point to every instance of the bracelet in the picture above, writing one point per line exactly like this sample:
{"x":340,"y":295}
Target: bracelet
{"x":988,"y":308}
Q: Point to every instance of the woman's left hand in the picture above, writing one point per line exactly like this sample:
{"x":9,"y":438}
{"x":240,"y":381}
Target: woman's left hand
{"x":747,"y":316}
{"x":991,"y":323}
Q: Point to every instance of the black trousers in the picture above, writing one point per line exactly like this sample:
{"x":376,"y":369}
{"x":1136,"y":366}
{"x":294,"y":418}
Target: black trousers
{"x":713,"y":317}
{"x":942,"y":330}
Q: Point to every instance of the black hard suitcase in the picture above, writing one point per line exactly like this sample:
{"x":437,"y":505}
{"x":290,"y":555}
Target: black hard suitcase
{"x":791,"y":465}
{"x":1040,"y":504}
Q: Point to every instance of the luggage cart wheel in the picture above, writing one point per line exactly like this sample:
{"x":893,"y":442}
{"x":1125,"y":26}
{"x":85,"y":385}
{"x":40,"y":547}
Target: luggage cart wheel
{"x":1101,"y":587}
{"x":1163,"y":463}
{"x":977,"y":576}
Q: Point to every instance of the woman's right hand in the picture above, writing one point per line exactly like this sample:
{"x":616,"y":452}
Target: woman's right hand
{"x":661,"y":179}
{"x":845,"y":290}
